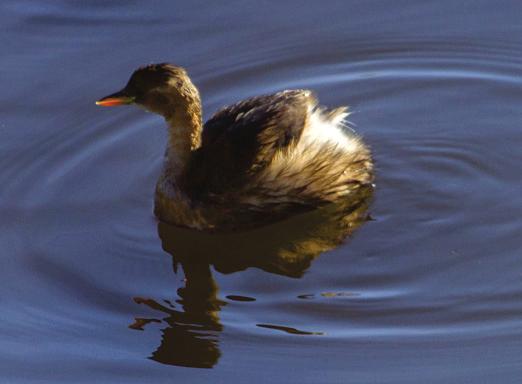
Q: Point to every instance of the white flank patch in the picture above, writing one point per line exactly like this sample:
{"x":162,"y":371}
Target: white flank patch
{"x":332,"y":132}
{"x":319,"y":135}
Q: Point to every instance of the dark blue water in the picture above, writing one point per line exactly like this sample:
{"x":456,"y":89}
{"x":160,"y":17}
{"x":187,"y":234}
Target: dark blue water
{"x":93,"y":289}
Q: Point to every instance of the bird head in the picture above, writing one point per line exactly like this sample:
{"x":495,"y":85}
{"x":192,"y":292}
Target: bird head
{"x":156,"y":87}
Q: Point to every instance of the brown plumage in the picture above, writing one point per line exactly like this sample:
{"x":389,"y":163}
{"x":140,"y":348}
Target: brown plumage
{"x":254,"y":162}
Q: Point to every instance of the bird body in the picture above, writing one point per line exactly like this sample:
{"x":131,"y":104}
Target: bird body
{"x":257,"y":161}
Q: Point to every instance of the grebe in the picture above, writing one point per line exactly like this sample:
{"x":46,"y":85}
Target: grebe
{"x":254,"y":162}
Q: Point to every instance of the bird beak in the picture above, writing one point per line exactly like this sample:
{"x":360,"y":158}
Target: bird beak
{"x":118,"y":98}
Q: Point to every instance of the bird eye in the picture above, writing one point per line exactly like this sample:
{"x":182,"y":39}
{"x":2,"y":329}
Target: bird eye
{"x":159,"y":99}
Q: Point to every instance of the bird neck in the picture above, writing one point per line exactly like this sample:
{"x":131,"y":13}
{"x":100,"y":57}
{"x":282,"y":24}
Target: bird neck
{"x":184,"y":136}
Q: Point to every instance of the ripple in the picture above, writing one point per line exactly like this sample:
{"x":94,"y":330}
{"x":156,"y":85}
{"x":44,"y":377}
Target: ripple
{"x":290,"y":330}
{"x":436,"y":274}
{"x":294,"y":66}
{"x":240,"y":298}
{"x":73,"y":165}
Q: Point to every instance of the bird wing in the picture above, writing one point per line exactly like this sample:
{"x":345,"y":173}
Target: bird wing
{"x":242,"y":139}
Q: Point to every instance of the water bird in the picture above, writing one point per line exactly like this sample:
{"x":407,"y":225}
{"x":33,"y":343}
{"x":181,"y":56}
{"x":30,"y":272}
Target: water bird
{"x":258,"y":161}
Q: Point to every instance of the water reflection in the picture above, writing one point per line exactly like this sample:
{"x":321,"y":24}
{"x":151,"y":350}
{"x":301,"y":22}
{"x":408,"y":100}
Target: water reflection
{"x":191,"y":337}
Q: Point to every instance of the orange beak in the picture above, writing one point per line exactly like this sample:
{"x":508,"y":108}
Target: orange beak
{"x":118,"y":98}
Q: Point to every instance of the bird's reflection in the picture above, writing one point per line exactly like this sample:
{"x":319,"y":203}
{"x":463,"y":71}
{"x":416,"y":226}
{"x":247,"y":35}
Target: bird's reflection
{"x":191,"y":337}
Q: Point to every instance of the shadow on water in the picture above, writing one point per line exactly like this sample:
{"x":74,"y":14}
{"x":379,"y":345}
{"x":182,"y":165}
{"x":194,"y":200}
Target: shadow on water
{"x":287,"y":248}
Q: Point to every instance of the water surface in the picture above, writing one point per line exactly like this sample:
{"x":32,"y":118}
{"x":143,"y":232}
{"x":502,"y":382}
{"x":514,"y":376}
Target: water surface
{"x":94,"y":289}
